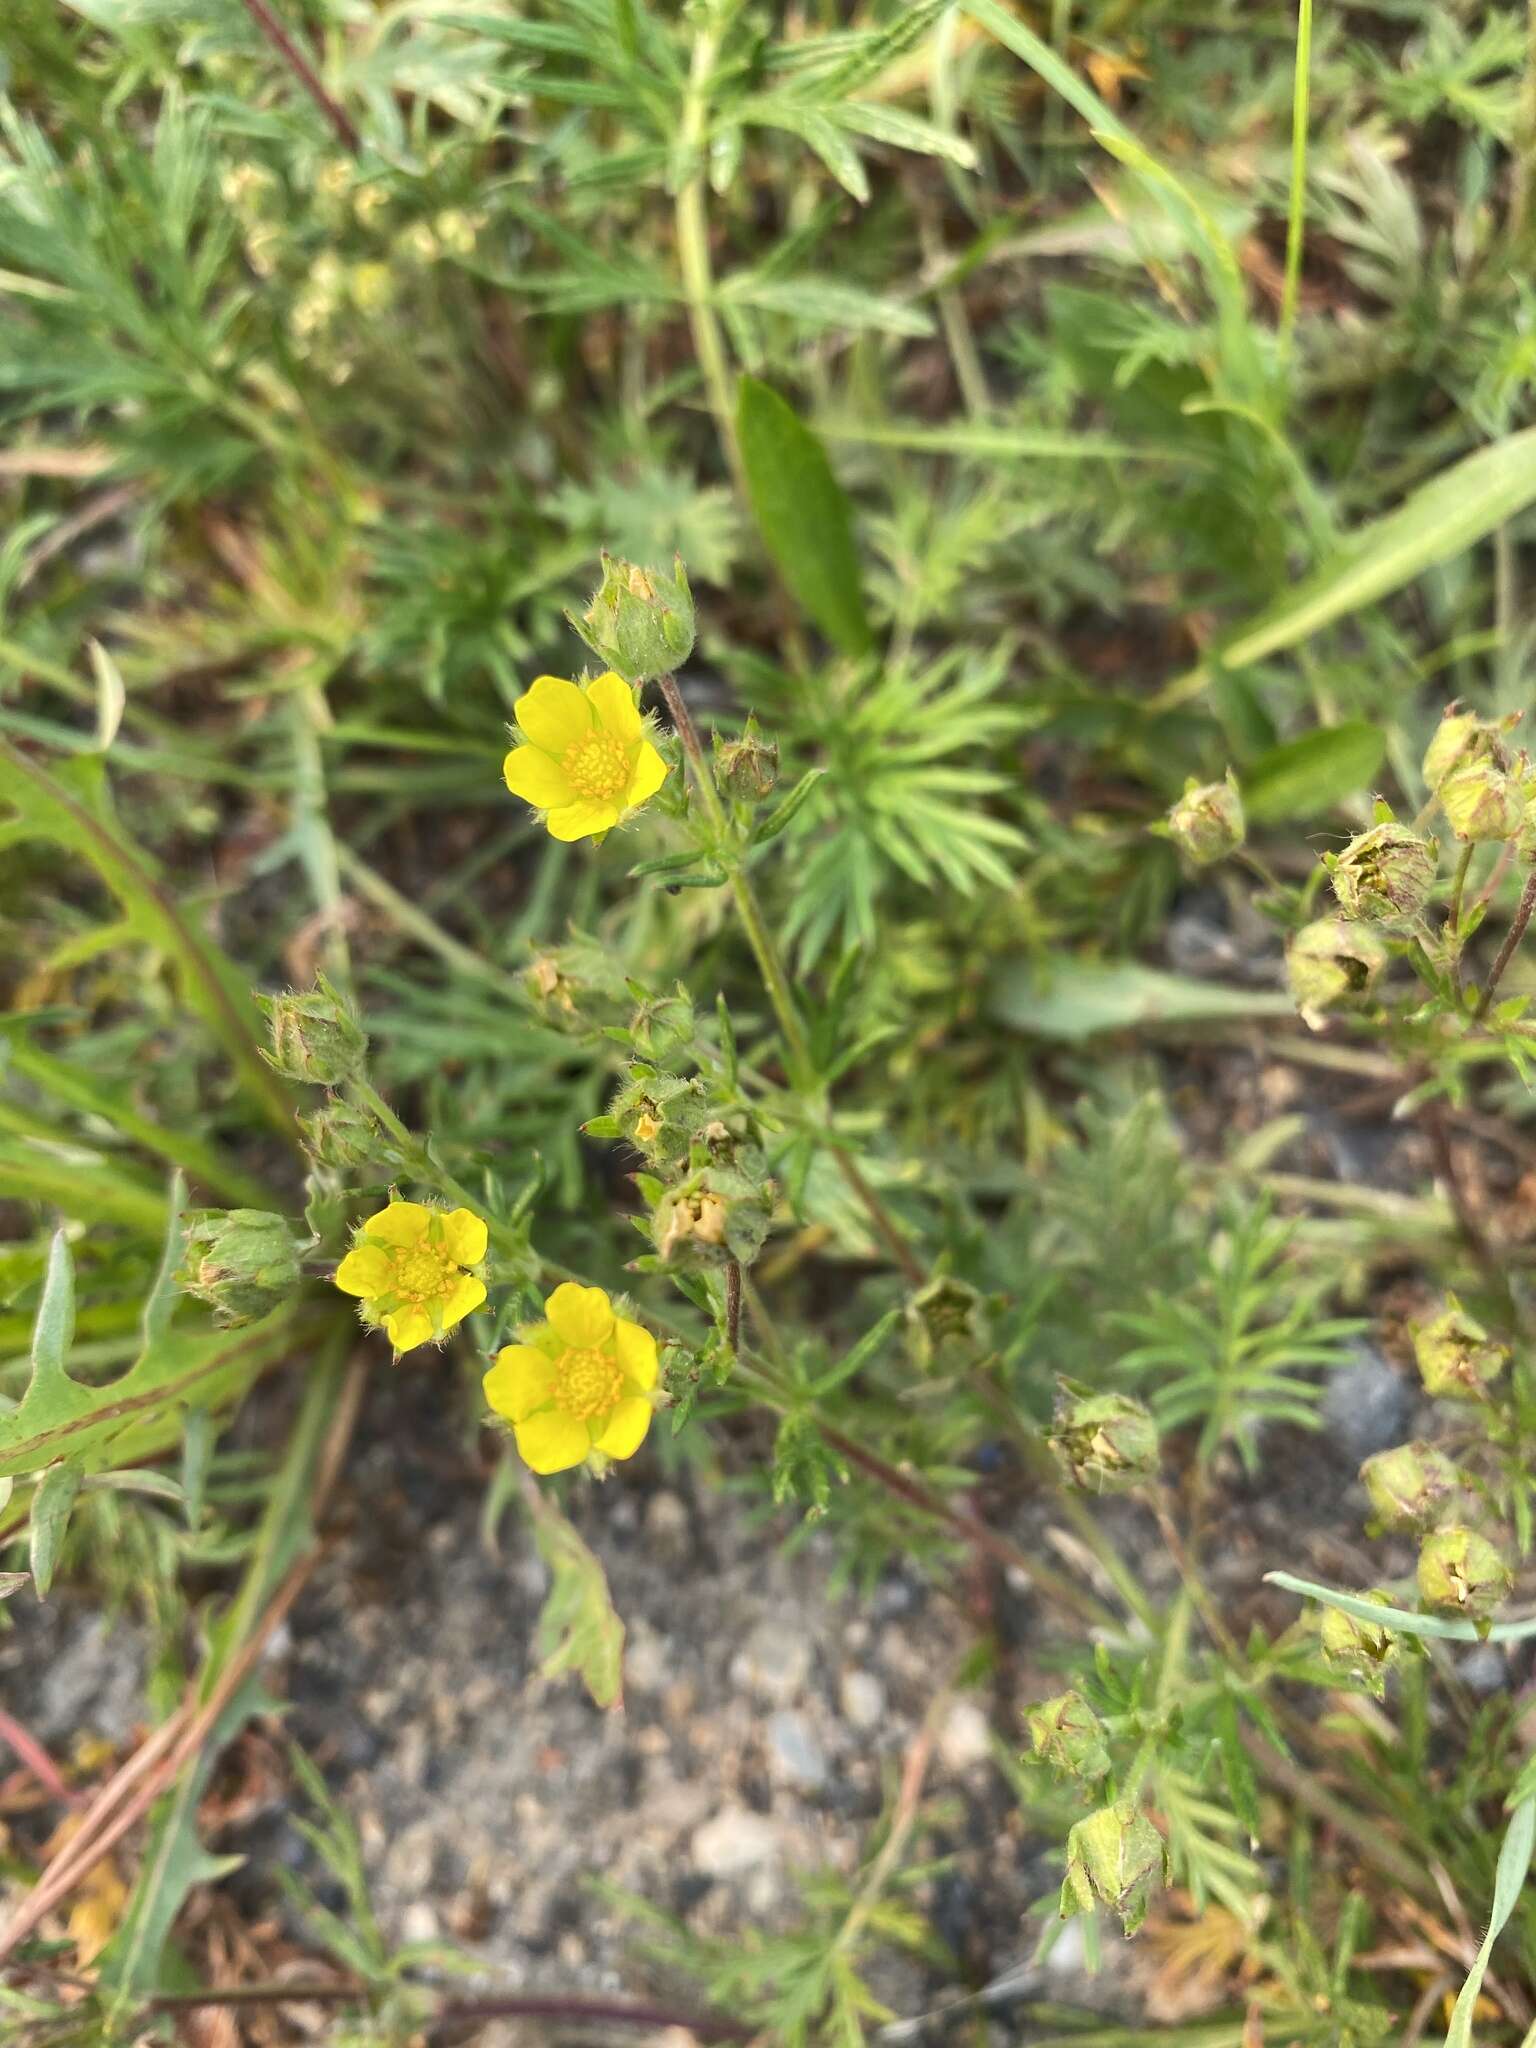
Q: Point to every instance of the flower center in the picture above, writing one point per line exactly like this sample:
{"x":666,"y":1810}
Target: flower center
{"x":587,"y":1383}
{"x":597,"y":767}
{"x":421,"y":1272}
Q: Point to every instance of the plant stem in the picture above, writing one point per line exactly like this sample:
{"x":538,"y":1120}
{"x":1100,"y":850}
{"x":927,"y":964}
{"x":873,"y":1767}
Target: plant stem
{"x":1458,"y":892}
{"x":1512,"y":939}
{"x":797,"y":1047}
{"x":1296,"y":221}
{"x":305,"y":72}
{"x":693,"y":255}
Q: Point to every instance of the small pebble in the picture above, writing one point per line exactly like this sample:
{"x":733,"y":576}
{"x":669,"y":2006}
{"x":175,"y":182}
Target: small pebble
{"x":862,"y":1698}
{"x":1367,"y":1405}
{"x":774,"y":1662}
{"x":734,"y":1841}
{"x":1483,"y":1670}
{"x":965,"y":1738}
{"x":795,"y":1756}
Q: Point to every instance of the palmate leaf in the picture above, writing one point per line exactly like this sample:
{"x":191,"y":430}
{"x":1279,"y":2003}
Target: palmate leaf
{"x":60,"y":1420}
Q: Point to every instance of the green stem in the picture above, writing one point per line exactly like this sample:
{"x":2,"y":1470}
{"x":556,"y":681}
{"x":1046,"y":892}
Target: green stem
{"x":693,"y":253}
{"x":1296,"y":220}
{"x":1453,"y":929}
{"x":797,"y":1047}
{"x":424,"y":1167}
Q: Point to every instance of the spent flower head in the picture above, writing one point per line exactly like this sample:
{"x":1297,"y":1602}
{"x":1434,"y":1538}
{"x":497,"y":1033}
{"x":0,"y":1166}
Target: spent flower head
{"x":583,"y":759}
{"x":1384,"y":875}
{"x":748,"y":767}
{"x":1115,"y":1857}
{"x":1409,"y":1485}
{"x":580,"y":1382}
{"x":1460,"y":740}
{"x":1362,"y":1650}
{"x":1457,"y":1359}
{"x":1334,"y":964}
{"x":1206,"y":824}
{"x":1482,"y":803}
{"x":1103,"y":1441}
{"x":241,"y":1262}
{"x":640,"y":621}
{"x":1462,"y":1572}
{"x":1069,"y":1735}
{"x":409,"y":1268}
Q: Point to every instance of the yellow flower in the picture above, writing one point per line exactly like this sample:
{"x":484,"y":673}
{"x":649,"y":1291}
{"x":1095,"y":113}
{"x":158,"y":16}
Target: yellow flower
{"x":585,"y":759}
{"x":407,"y":1267}
{"x":578,"y":1383}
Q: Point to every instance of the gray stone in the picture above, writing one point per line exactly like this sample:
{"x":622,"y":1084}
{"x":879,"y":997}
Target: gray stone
{"x":1483,"y":1670}
{"x":733,"y":1842}
{"x":93,"y":1683}
{"x":774,"y":1662}
{"x":1367,"y":1406}
{"x":794,"y":1754}
{"x":965,"y":1738}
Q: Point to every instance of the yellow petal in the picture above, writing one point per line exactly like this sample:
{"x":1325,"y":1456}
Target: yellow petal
{"x":582,"y":820}
{"x":650,"y":772}
{"x":625,"y":1429}
{"x":637,"y":1352}
{"x":466,"y":1295}
{"x":614,"y":707}
{"x":582,"y":1316}
{"x":553,"y":714}
{"x":464,"y":1236}
{"x":519,"y":1382}
{"x":408,"y":1327}
{"x":552,"y":1442}
{"x":364,"y":1271}
{"x":537,"y":778}
{"x":400,"y":1223}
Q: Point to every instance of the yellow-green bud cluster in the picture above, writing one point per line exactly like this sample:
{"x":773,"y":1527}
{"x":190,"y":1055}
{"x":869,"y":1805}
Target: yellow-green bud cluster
{"x":946,"y":1324}
{"x":1408,"y":1486}
{"x":747,"y":768}
{"x":640,"y":621}
{"x":1357,"y":1649}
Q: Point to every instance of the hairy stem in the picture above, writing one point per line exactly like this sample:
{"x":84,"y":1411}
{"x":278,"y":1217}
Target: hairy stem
{"x":1295,"y":231}
{"x":693,"y":255}
{"x":275,"y":33}
{"x":1512,"y":939}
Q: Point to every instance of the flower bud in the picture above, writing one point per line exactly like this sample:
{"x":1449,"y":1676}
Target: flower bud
{"x":1206,"y":824}
{"x":1462,"y":1572}
{"x":241,"y":1262}
{"x":1409,"y":1485}
{"x":714,"y":1216}
{"x":1362,"y":1650}
{"x":946,"y":1324}
{"x":640,"y":623}
{"x":1482,"y":803}
{"x":1385,"y":874}
{"x":747,"y":768}
{"x":315,"y":1037}
{"x":1333,"y":965}
{"x":1069,"y":1735}
{"x":1103,"y":1441}
{"x":341,"y":1136}
{"x":1115,"y":1856}
{"x":1460,"y":739}
{"x":1457,"y":1359}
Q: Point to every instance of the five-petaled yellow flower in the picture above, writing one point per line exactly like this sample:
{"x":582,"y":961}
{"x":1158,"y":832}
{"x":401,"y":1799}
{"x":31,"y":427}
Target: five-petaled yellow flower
{"x":577,"y":1383}
{"x":407,"y":1267}
{"x":585,"y":760}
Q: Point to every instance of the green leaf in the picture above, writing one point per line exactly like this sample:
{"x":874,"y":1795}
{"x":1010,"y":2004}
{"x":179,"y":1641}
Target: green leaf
{"x":803,"y":515}
{"x":1508,"y":1883}
{"x":1306,"y":777}
{"x":1078,"y":998}
{"x":1443,"y":518}
{"x":825,"y":302}
{"x":71,"y":809}
{"x":577,"y":1628}
{"x":782,"y":813}
{"x":1403,"y":1619}
{"x":52,"y":1505}
{"x":54,"y":1330}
